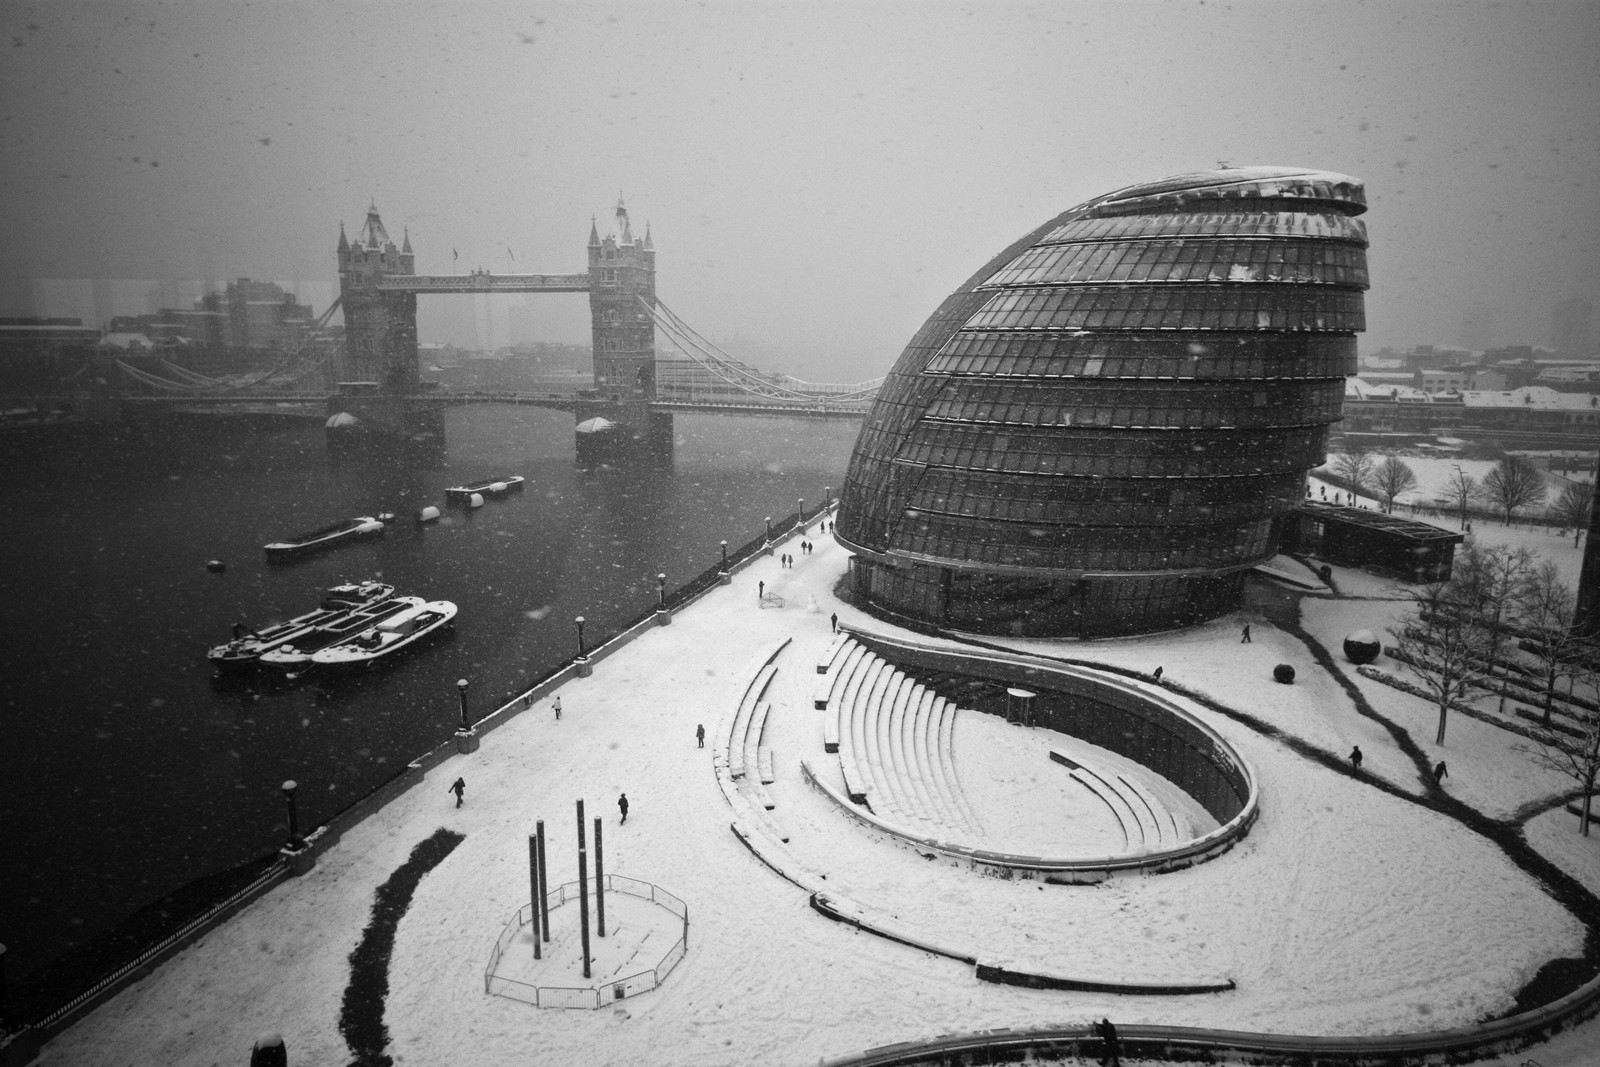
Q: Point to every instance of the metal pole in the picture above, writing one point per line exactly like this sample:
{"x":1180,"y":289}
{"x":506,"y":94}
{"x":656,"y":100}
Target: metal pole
{"x":599,"y":882}
{"x":724,"y":555}
{"x":800,"y":515}
{"x":769,"y":527}
{"x":661,"y":585}
{"x":583,"y":889}
{"x":533,"y":891}
{"x":579,"y":621}
{"x":461,"y":687}
{"x":544,"y":887}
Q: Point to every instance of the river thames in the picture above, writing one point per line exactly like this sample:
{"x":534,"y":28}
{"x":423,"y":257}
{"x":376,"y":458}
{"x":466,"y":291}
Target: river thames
{"x":131,"y":772}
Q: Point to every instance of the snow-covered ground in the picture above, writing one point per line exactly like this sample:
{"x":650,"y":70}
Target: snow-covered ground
{"x":1345,"y":911}
{"x":1431,"y":500}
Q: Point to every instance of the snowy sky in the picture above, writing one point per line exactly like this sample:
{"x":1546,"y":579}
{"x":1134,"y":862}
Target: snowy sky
{"x":817,"y":176}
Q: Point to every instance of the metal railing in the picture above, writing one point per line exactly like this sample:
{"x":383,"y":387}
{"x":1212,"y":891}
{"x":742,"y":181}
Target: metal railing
{"x":589,"y":997}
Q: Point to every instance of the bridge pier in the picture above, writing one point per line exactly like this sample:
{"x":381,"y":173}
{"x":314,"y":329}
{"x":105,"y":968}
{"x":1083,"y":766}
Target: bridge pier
{"x":383,"y":426}
{"x":610,"y":433}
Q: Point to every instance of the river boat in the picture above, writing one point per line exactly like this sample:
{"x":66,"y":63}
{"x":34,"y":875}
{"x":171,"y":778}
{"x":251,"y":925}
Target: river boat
{"x":488,"y":487}
{"x":332,"y":534}
{"x":296,"y":656}
{"x":339,"y":601}
{"x":389,"y":638}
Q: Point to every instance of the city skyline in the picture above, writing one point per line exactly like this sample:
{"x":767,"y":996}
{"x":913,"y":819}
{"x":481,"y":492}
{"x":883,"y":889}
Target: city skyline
{"x":817,"y":178}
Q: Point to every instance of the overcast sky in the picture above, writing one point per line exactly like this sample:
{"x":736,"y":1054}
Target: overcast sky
{"x":817,"y":176}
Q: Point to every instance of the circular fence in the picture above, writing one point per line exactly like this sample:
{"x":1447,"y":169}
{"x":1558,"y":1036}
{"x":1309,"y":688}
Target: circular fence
{"x":496,"y":979}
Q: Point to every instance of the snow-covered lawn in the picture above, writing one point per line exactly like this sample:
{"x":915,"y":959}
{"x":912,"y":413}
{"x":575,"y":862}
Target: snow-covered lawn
{"x":1345,"y":911}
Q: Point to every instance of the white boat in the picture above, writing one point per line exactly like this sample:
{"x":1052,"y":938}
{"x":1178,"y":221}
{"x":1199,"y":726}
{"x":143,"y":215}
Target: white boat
{"x":332,"y":534}
{"x":389,"y":637}
{"x":488,"y":487}
{"x":248,"y":646}
{"x":297,"y":655}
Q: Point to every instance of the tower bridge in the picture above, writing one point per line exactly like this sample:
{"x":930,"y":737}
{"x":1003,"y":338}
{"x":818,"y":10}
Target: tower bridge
{"x":627,"y":414}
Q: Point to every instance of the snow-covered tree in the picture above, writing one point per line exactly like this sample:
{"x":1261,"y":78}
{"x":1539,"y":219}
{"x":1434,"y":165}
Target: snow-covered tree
{"x":1513,"y":483}
{"x":1572,"y":509}
{"x":1393,"y":476}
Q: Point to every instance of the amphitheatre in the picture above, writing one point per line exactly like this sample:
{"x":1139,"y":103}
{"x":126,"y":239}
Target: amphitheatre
{"x":1008,"y":879}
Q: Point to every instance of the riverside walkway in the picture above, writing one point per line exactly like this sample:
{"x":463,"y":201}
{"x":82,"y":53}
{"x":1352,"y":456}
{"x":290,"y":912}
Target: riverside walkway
{"x":1321,"y":918}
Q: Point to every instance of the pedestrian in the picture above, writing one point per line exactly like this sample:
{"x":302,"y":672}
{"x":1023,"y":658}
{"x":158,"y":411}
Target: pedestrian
{"x":761,"y":590}
{"x":1157,"y":674}
{"x":1112,"y":1055}
{"x":834,"y":619}
{"x":1355,"y":757}
{"x":622,"y":802}
{"x":700,"y":736}
{"x":558,"y":707}
{"x":1244,"y":636}
{"x":459,"y":788}
{"x":1440,"y":772}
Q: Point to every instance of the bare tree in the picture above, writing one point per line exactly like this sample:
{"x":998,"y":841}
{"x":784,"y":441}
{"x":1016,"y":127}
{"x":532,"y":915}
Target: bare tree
{"x":1572,"y":508}
{"x":1513,"y":483}
{"x":1547,"y":606}
{"x":1442,"y":645}
{"x":1576,"y":757}
{"x":1461,"y":491}
{"x":1393,"y":476}
{"x":1354,"y":466}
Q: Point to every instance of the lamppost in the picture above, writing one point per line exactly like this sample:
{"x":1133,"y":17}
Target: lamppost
{"x":769,"y":527}
{"x":461,"y":688}
{"x":584,"y":668}
{"x":661,"y":591}
{"x":800,"y":515}
{"x":827,"y":495}
{"x":296,"y":842}
{"x":767,"y":545}
{"x":724,"y":555}
{"x":466,"y":736}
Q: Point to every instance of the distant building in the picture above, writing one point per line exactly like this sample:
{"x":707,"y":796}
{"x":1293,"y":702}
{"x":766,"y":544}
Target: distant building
{"x":1102,"y":430}
{"x":247,"y":315}
{"x":40,"y":355}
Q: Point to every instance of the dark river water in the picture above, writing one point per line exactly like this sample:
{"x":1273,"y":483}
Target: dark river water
{"x":127,"y":772}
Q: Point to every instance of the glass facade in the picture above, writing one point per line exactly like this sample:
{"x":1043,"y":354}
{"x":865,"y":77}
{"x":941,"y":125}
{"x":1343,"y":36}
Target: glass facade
{"x":1102,"y":430}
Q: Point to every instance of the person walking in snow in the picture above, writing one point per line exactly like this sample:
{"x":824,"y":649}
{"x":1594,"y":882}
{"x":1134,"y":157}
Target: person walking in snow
{"x":700,"y":736}
{"x":557,"y":706}
{"x":622,"y":803}
{"x":834,"y":619}
{"x":1112,"y":1055}
{"x":1157,"y":674}
{"x":1440,"y":772}
{"x":761,"y":590}
{"x":459,"y":788}
{"x":1355,"y":757}
{"x":1244,"y":636}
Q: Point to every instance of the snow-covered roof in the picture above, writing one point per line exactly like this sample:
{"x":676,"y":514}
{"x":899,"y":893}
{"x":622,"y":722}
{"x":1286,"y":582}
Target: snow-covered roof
{"x":1361,"y":389}
{"x":1533,"y":397}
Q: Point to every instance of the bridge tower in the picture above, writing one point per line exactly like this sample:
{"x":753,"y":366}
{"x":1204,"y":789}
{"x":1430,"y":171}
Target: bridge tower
{"x":622,"y":289}
{"x":380,"y":327}
{"x":622,"y":274}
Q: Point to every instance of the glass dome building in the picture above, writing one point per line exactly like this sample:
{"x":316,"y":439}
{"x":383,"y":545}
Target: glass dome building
{"x":1100,"y":432}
